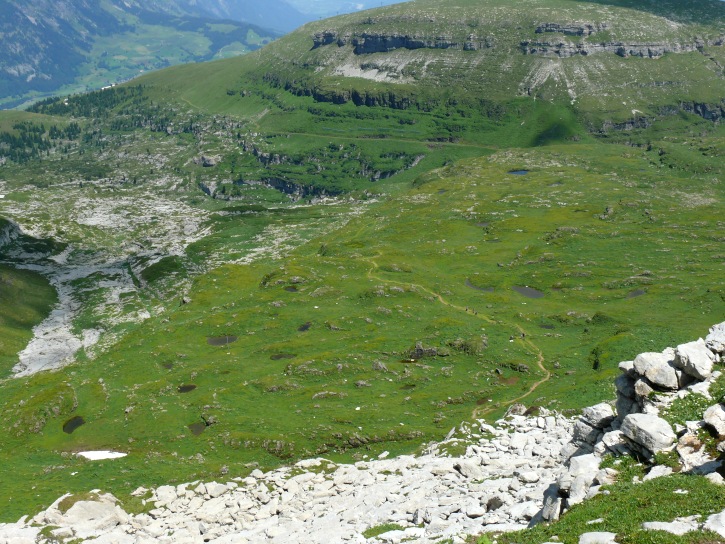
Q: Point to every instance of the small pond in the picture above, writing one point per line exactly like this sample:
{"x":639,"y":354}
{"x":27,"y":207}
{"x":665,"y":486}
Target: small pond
{"x":636,"y":293}
{"x":518,"y":172}
{"x":221,"y":340}
{"x":197,"y":428}
{"x":291,"y":289}
{"x":72,"y":424}
{"x":279,"y":356}
{"x":528,"y":292}
{"x":305,"y":327}
{"x":477,"y":288}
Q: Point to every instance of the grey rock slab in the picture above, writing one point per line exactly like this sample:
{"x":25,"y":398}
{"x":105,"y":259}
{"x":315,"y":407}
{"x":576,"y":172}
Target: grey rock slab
{"x":716,"y":523}
{"x":695,"y":359}
{"x":599,"y":416}
{"x":597,"y":538}
{"x":716,"y":339}
{"x":524,"y":510}
{"x":678,"y":527}
{"x":658,"y":368}
{"x":625,"y":406}
{"x":584,"y":432}
{"x":648,"y":430}
{"x":627,"y":367}
{"x":657,"y":472}
{"x":715,"y":417}
{"x":625,"y":385}
{"x":584,"y":465}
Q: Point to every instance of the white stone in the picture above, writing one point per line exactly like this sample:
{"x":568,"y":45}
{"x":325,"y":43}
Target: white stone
{"x":716,"y":339}
{"x":716,"y":523}
{"x":657,"y":472}
{"x":599,"y":416}
{"x":715,"y":417}
{"x":597,"y":538}
{"x":586,"y":465}
{"x":529,"y":477}
{"x":695,"y":359}
{"x":658,"y":368}
{"x":674,"y":527}
{"x":649,"y":431}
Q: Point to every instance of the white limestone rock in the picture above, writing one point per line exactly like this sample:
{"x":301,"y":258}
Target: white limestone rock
{"x":649,"y":431}
{"x":584,"y":465}
{"x":627,"y":367}
{"x":598,"y":538}
{"x":658,"y":368}
{"x":584,"y":433}
{"x":695,"y":359}
{"x":716,"y":339}
{"x":657,"y":472}
{"x":716,"y":523}
{"x":678,"y":527}
{"x":599,"y":416}
{"x":715,"y":417}
{"x":91,"y":518}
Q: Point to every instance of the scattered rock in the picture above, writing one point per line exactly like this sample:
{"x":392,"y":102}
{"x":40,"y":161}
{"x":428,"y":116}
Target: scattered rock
{"x":658,"y":368}
{"x":695,"y":359}
{"x":598,"y":538}
{"x":716,"y":339}
{"x":649,"y":431}
{"x":599,"y":416}
{"x":715,"y":417}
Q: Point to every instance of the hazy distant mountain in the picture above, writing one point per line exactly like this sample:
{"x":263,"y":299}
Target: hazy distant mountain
{"x":276,"y":14}
{"x":324,"y":8}
{"x":49,"y":44}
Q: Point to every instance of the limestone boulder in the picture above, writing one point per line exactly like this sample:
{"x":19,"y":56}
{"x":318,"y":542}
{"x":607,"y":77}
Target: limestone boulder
{"x":90,"y":518}
{"x":627,"y":367}
{"x":649,"y":431}
{"x":695,"y":359}
{"x":658,"y":368}
{"x":715,"y":418}
{"x":584,"y":432}
{"x":716,"y":523}
{"x":716,"y":339}
{"x":599,"y":415}
{"x":598,"y":538}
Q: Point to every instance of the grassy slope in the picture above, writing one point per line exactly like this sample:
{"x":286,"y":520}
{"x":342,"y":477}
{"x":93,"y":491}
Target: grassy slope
{"x":26,"y":299}
{"x":369,"y":293}
{"x":501,"y":71}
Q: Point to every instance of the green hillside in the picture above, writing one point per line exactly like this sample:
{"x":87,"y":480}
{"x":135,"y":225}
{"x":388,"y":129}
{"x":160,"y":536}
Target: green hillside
{"x":322,"y":250}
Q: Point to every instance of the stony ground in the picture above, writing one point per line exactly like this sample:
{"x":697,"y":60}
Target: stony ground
{"x":498,"y":484}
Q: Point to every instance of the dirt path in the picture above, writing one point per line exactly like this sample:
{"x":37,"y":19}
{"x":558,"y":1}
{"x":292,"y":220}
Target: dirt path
{"x":479,"y":412}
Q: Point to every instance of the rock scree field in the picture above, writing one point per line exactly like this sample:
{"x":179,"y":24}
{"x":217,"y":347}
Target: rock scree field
{"x":354,"y":239}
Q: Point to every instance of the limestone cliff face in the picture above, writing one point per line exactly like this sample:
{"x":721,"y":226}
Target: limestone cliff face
{"x":565,"y":49}
{"x":376,"y":42}
{"x":372,"y":42}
